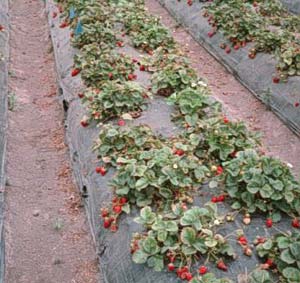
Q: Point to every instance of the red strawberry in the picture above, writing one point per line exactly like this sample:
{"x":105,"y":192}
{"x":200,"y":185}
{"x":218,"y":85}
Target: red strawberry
{"x":261,"y":240}
{"x":244,"y":43}
{"x":227,"y":49}
{"x":101,"y":170}
{"x":1,"y":28}
{"x":84,"y":123}
{"x":236,"y":47}
{"x":255,"y":4}
{"x":131,"y":77}
{"x":221,"y":198}
{"x":297,"y":104}
{"x":251,"y":55}
{"x":63,"y":24}
{"x":214,"y":199}
{"x":190,"y":2}
{"x":110,"y":76}
{"x":211,"y":33}
{"x":221,"y":265}
{"x":226,"y":120}
{"x":269,"y":262}
{"x":219,"y":170}
{"x":171,"y":267}
{"x":104,"y":212}
{"x":276,"y":80}
{"x":242,"y":240}
{"x":188,"y":276}
{"x":106,"y":223}
{"x":202,"y":270}
{"x":75,"y":72}
{"x":80,"y":95}
{"x":269,"y":222}
{"x":119,"y":43}
{"x":123,"y":200}
{"x":142,"y":68}
{"x":117,"y":209}
{"x":121,"y":123}
{"x":54,"y":15}
{"x":296,"y":223}
{"x":179,"y":152}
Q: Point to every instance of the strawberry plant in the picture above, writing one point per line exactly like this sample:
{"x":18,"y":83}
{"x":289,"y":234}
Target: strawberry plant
{"x":98,"y":66}
{"x":282,"y":252}
{"x":172,"y":78}
{"x":115,"y":143}
{"x":179,"y":237}
{"x":95,"y":32}
{"x":115,"y":99}
{"x":261,"y":183}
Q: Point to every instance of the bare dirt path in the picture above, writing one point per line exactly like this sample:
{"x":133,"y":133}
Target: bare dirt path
{"x":239,"y":103}
{"x":47,"y":234}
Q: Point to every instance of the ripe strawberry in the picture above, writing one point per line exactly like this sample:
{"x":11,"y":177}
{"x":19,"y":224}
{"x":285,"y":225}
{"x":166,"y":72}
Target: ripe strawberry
{"x":84,"y":123}
{"x":120,"y":43}
{"x":244,"y":43}
{"x":211,"y":33}
{"x":269,"y":262}
{"x":179,"y":152}
{"x":276,"y":80}
{"x":106,"y":223}
{"x":54,"y":15}
{"x":269,"y":222}
{"x":221,"y":265}
{"x":296,"y":223}
{"x":219,"y":170}
{"x":104,"y":212}
{"x":101,"y":170}
{"x":190,"y":2}
{"x":236,"y":47}
{"x":221,"y":198}
{"x":261,"y":240}
{"x":226,"y":120}
{"x":214,"y":199}
{"x":63,"y":24}
{"x":75,"y":72}
{"x":131,"y":77}
{"x":297,"y":104}
{"x":202,"y":270}
{"x":188,"y":276}
{"x":251,"y":55}
{"x":255,"y":4}
{"x":227,"y":49}
{"x":110,"y":76}
{"x":142,"y":68}
{"x":123,"y":200}
{"x":80,"y":95}
{"x":121,"y":123}
{"x":171,"y":267}
{"x":115,"y":200}
{"x":117,"y":209}
{"x":243,"y":240}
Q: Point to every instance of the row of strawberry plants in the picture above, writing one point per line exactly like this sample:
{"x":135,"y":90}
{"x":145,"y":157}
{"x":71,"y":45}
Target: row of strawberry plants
{"x":166,"y":173}
{"x":266,"y":24}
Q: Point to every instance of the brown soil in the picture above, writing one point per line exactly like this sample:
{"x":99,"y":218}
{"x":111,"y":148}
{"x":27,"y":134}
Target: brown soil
{"x":47,"y":234}
{"x":238,"y":102}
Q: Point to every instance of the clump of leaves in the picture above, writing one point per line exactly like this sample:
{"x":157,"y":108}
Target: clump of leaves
{"x":220,"y":139}
{"x":115,"y":143}
{"x":179,"y":237}
{"x":283,"y":251}
{"x":115,"y":99}
{"x":158,"y":177}
{"x":98,"y":66}
{"x":172,"y":78}
{"x":261,"y":183}
{"x":95,"y":32}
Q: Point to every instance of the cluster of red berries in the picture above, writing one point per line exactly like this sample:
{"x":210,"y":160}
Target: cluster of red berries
{"x":216,"y":199}
{"x":101,"y":170}
{"x":110,"y":218}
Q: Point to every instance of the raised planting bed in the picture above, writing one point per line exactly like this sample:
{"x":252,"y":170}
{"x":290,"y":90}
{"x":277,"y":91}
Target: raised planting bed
{"x":195,"y":178}
{"x":4,"y":27}
{"x":273,"y":80}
